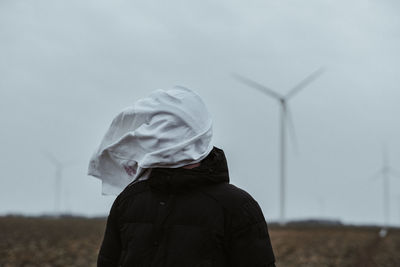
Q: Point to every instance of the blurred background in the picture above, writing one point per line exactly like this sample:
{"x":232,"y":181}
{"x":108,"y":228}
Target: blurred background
{"x":68,"y":67}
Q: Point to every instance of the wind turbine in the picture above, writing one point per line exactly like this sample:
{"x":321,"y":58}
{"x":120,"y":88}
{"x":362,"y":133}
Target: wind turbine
{"x":59,"y":168}
{"x":385,"y":172}
{"x":321,"y":206}
{"x":285,"y":118}
{"x":398,"y":201}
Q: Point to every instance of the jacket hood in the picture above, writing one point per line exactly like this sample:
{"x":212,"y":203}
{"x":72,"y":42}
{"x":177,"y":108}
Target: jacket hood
{"x":212,"y":170}
{"x":168,"y":129}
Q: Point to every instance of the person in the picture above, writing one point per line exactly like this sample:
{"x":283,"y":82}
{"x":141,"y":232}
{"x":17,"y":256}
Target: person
{"x":177,"y":207}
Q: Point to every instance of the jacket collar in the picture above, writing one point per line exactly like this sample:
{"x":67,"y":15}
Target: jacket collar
{"x":212,"y":170}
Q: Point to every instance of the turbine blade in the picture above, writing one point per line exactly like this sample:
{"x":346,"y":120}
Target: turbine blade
{"x":385,"y":155}
{"x":257,"y":86}
{"x":291,"y":129}
{"x":69,"y":163}
{"x":394,"y":172}
{"x":306,"y":81}
{"x":376,"y":175}
{"x":51,"y":158}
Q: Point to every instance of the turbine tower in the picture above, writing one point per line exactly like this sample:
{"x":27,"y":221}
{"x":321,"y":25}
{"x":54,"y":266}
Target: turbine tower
{"x":59,"y":168}
{"x":285,"y":120}
{"x":398,"y":201}
{"x":385,"y":172}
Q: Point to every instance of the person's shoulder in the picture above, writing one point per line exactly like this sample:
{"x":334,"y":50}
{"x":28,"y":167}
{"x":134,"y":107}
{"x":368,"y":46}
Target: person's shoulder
{"x":229,"y":196}
{"x":133,"y":190}
{"x":242,"y":209}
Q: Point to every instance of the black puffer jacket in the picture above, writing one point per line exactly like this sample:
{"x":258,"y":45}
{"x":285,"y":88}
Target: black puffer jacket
{"x":186,"y":218}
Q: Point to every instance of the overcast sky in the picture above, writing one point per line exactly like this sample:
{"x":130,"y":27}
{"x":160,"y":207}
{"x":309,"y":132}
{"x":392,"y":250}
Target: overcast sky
{"x":68,"y":67}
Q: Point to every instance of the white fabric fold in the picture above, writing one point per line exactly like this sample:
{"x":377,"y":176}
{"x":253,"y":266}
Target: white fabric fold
{"x":169,"y":129}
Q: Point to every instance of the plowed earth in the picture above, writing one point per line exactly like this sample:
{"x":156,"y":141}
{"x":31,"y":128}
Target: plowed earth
{"x":75,"y":242}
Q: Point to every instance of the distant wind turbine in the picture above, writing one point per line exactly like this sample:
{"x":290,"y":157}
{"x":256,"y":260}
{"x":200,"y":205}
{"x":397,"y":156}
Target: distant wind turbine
{"x":385,"y":172}
{"x":59,"y":168}
{"x":321,"y":206}
{"x":398,"y":201}
{"x":285,"y":120}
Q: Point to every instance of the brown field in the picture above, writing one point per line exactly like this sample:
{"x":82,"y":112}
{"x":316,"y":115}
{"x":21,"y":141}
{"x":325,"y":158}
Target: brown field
{"x":75,"y":242}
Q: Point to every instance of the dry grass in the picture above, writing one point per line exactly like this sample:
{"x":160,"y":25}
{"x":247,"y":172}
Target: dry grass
{"x":335,"y":246}
{"x":75,"y":242}
{"x":49,"y":242}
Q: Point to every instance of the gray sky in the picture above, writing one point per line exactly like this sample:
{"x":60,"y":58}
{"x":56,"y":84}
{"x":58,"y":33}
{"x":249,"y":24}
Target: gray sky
{"x":68,"y":67}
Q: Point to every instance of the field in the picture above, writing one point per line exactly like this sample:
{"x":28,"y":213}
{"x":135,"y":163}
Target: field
{"x":75,"y":242}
